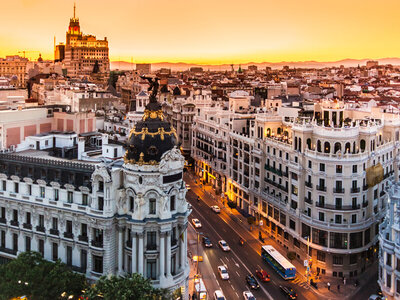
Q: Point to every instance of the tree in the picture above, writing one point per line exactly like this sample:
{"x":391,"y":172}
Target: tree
{"x":133,"y":287}
{"x":31,"y":275}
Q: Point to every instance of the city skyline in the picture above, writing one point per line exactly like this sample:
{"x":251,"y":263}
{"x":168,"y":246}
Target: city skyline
{"x":183,"y":32}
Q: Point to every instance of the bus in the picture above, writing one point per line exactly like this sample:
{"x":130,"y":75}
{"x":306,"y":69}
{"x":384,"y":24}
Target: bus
{"x":278,"y":262}
{"x":200,"y":288}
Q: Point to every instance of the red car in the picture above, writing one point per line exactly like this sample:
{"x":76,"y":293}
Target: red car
{"x":262,"y":275}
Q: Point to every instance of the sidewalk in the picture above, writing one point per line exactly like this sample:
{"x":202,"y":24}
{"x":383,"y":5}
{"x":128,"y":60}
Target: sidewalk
{"x":344,"y":292}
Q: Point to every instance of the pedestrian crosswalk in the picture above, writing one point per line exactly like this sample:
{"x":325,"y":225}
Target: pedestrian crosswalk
{"x":300,"y":281}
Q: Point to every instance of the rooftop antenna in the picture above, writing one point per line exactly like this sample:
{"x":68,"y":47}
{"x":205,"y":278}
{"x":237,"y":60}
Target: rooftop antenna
{"x":74,"y":8}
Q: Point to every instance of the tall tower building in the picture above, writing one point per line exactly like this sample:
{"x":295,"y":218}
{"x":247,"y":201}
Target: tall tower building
{"x":82,"y":52}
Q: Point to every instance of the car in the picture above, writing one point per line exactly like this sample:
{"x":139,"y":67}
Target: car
{"x":219,"y":295}
{"x":188,"y":187}
{"x":247,"y":295}
{"x":252,"y":282}
{"x":216,"y":209}
{"x":196,"y":223}
{"x":289,"y":292}
{"x":375,"y":297}
{"x":262,"y":275}
{"x":224,"y":245}
{"x":207,"y":242}
{"x":223,"y":272}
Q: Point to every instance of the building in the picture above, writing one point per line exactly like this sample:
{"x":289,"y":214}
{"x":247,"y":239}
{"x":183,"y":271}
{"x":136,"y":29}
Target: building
{"x":316,"y":182}
{"x":114,"y":217}
{"x":83,"y":54}
{"x":372,"y":64}
{"x":143,"y":68}
{"x":389,"y":246}
{"x":14,"y":68}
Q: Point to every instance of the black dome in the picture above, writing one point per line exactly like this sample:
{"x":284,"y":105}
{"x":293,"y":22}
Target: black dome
{"x":150,"y":138}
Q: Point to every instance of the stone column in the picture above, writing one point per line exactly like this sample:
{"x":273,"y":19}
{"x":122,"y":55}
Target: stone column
{"x":134,"y":252}
{"x":120,"y":248}
{"x":168,"y":254}
{"x":162,"y":254}
{"x":182,"y":249}
{"x":140,"y":254}
{"x":185,"y":246}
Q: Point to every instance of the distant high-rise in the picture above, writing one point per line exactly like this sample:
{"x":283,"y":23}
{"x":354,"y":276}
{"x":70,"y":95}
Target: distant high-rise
{"x":81,"y":52}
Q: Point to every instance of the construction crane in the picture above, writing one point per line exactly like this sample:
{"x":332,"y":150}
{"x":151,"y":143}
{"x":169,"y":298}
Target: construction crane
{"x":26,"y":51}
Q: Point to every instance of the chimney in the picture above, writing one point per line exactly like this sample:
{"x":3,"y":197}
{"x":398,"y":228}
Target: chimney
{"x":81,"y":147}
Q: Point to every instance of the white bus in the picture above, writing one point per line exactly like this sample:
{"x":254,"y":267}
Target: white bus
{"x":200,"y":288}
{"x":278,"y":262}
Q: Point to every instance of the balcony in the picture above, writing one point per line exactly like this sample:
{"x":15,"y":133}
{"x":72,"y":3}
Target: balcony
{"x":365,"y":187}
{"x":355,"y":190}
{"x":68,"y":235}
{"x":83,"y":238}
{"x":308,"y":184}
{"x":40,"y":229}
{"x":174,"y":242}
{"x":308,"y":200}
{"x":365,"y":204}
{"x":8,"y":251}
{"x":27,"y":226}
{"x":14,"y":223}
{"x":54,"y":231}
{"x":98,"y":244}
{"x":337,"y":207}
{"x":338,"y":190}
{"x":3,"y":220}
{"x":152,"y":247}
{"x":321,"y":188}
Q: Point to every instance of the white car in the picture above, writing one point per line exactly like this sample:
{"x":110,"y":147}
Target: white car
{"x":223,"y":272}
{"x":218,"y":295}
{"x":196,"y":223}
{"x":216,"y":209}
{"x":188,"y":187}
{"x":247,"y":295}
{"x":224,"y":245}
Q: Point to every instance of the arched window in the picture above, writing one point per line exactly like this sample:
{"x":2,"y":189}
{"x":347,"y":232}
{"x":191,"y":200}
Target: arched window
{"x":362,"y":145}
{"x":279,"y":130}
{"x":268,"y":132}
{"x":354,"y":147}
{"x":299,"y":144}
{"x":327,"y":147}
{"x":295,"y":143}
{"x":309,"y":144}
{"x":338,"y":147}
{"x":347,"y":148}
{"x":319,"y":146}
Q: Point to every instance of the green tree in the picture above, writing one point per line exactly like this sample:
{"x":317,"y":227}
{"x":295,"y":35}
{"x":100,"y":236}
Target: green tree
{"x":31,"y":275}
{"x":133,"y":287}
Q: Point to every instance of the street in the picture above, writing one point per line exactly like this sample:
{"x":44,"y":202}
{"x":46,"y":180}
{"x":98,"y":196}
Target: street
{"x":244,"y":259}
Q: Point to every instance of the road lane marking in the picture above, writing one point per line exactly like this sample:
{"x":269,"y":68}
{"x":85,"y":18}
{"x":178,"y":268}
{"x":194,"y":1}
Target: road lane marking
{"x":212,"y":228}
{"x":237,"y":294}
{"x":238,"y":273}
{"x":226,"y":258}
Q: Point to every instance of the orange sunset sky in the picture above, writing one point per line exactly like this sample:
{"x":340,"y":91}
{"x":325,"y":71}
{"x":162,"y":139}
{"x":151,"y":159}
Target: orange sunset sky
{"x":210,"y":31}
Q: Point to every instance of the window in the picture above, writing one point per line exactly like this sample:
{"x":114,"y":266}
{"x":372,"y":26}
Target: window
{"x":388,"y":280}
{"x":172,"y":203}
{"x":3,"y":239}
{"x":339,"y":169}
{"x":84,"y":229}
{"x":131,"y":203}
{"x":321,"y":256}
{"x":338,"y":219}
{"x":41,"y":220}
{"x":152,"y":206}
{"x":28,"y":218}
{"x":56,"y":195}
{"x":388,"y":259}
{"x":69,"y":256}
{"x":173,"y":264}
{"x":4,"y":185}
{"x":354,"y":218}
{"x":16,"y":187}
{"x":322,"y":216}
{"x":3,"y":213}
{"x":15,"y":242}
{"x":322,"y":167}
{"x":15,"y":215}
{"x":292,"y":224}
{"x":83,"y":260}
{"x":354,"y":168}
{"x":29,"y":189}
{"x":70,"y":197}
{"x":101,"y":186}
{"x":54,"y":223}
{"x":27,"y":243}
{"x":151,"y":240}
{"x":337,"y":260}
{"x":84,"y":199}
{"x":100,"y":203}
{"x":338,"y":203}
{"x":68,"y":227}
{"x":42,"y":192}
{"x":41,"y":247}
{"x":353,"y":259}
{"x":309,"y":164}
{"x":151,"y":269}
{"x":98,"y":264}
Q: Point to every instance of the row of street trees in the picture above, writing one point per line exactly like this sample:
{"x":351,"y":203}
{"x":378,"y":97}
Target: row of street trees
{"x":38,"y":279}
